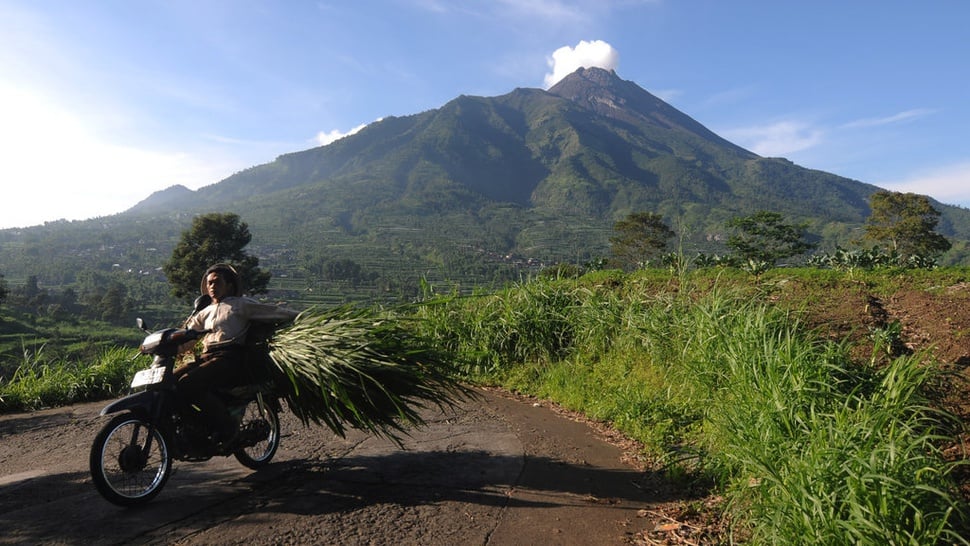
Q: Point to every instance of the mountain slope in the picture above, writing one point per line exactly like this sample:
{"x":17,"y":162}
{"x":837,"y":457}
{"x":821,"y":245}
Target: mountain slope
{"x":535,"y":173}
{"x":593,"y":145}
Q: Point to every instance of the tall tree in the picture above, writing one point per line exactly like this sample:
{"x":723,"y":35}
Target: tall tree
{"x":114,"y":303}
{"x":638,"y":238}
{"x":765,"y":237}
{"x":906,"y":222}
{"x":3,"y":289}
{"x":213,"y":238}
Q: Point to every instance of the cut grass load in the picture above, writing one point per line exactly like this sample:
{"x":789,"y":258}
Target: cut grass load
{"x":357,"y":368}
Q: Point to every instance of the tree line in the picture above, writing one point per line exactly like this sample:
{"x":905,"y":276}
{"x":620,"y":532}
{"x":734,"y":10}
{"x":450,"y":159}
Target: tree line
{"x":901,"y":231}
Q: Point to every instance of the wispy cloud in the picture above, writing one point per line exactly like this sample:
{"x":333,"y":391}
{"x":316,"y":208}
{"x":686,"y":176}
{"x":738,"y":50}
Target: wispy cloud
{"x":949,"y":184}
{"x":547,"y":10}
{"x":908,"y":115}
{"x":777,"y":139}
{"x":728,"y":97}
{"x":436,"y":6}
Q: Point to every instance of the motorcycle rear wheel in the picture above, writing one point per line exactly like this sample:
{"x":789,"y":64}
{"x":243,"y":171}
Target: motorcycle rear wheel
{"x":122,"y":471}
{"x":261,"y":418}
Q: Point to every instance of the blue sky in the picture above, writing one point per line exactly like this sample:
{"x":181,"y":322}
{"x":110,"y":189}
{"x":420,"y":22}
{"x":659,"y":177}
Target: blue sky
{"x":104,"y":102}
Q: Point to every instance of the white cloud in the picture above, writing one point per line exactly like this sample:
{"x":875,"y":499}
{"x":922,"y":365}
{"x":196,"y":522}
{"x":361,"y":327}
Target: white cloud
{"x":566,"y":60}
{"x":950,"y":184}
{"x":550,"y":11}
{"x":896,"y":118}
{"x":324,"y":138}
{"x":777,"y":139}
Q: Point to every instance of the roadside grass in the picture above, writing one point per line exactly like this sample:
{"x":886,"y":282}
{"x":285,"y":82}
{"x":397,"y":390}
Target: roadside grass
{"x":41,"y":381}
{"x":46,"y":363}
{"x":805,"y":445}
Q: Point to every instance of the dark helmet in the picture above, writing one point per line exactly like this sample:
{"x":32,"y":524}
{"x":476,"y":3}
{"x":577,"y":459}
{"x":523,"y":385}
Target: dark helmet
{"x":228,"y":273}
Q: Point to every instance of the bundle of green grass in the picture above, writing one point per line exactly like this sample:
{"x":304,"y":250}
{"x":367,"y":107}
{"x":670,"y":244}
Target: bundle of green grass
{"x":358,"y":368}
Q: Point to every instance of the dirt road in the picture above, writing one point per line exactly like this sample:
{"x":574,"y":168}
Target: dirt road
{"x":495,"y":471}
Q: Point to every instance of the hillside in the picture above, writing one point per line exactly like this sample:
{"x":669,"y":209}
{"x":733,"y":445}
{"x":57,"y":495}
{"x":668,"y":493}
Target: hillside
{"x":558,"y":165}
{"x":473,"y":192}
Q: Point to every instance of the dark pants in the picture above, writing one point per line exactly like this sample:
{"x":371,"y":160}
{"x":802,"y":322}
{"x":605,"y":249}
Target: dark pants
{"x":221,"y":368}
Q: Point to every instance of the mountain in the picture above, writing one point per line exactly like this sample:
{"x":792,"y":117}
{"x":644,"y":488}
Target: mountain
{"x":594,"y":147}
{"x":533,"y":173}
{"x":593,"y":144}
{"x":163,"y":201}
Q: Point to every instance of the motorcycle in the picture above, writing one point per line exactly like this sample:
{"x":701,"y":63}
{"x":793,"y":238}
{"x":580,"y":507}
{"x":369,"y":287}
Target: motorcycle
{"x":131,"y":458}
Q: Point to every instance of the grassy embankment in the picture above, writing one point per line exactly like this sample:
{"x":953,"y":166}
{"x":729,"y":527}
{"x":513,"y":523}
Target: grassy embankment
{"x":805,"y":445}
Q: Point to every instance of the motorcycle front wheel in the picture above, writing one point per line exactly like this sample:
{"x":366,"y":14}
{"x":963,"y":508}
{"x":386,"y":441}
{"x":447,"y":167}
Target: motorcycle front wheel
{"x":129,"y":466}
{"x":260,"y":430}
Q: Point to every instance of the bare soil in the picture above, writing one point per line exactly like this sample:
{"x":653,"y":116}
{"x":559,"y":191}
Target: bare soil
{"x":497,"y":470}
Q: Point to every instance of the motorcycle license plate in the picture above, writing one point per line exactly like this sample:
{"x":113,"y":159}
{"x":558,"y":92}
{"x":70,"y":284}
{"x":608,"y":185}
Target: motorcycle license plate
{"x":148,"y":377}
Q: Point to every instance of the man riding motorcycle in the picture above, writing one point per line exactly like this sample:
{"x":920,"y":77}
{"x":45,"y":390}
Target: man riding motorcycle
{"x":227,"y":318}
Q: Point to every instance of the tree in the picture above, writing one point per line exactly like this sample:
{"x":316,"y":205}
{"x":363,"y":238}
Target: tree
{"x":3,"y":289}
{"x":30,"y":296}
{"x":906,"y":222}
{"x":638,"y":238}
{"x":765,"y":237}
{"x":213,"y":238}
{"x":114,"y":303}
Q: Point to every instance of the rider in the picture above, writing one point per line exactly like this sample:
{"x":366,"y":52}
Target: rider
{"x":227,"y":317}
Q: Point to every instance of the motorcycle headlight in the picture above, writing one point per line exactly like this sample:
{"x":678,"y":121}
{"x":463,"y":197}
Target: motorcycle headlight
{"x":151,"y":342}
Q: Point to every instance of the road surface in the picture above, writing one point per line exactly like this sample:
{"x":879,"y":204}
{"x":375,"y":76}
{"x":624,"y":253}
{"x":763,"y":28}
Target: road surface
{"x":494,"y":471}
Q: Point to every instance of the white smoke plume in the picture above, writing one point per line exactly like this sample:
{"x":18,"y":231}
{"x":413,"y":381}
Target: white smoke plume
{"x":566,"y":60}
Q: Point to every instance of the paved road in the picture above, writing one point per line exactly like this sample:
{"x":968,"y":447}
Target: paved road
{"x":494,"y":471}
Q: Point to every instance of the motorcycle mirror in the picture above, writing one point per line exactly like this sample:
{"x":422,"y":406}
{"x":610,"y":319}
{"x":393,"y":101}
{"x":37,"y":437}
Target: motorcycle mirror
{"x":202,"y":302}
{"x":141,"y":324}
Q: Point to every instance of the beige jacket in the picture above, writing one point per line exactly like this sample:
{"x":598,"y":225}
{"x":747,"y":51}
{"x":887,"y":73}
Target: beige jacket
{"x":229,"y":320}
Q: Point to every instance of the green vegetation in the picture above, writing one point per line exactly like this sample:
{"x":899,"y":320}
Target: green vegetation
{"x":722,"y":387}
{"x":41,"y":381}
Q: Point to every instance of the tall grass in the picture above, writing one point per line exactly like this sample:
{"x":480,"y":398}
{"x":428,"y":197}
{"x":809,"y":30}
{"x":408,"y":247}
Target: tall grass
{"x":807,"y":446}
{"x":40,"y":382}
{"x":527,"y":323}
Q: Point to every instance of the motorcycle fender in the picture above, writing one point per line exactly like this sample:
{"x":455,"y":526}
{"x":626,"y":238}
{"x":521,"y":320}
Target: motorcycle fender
{"x":139,"y":402}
